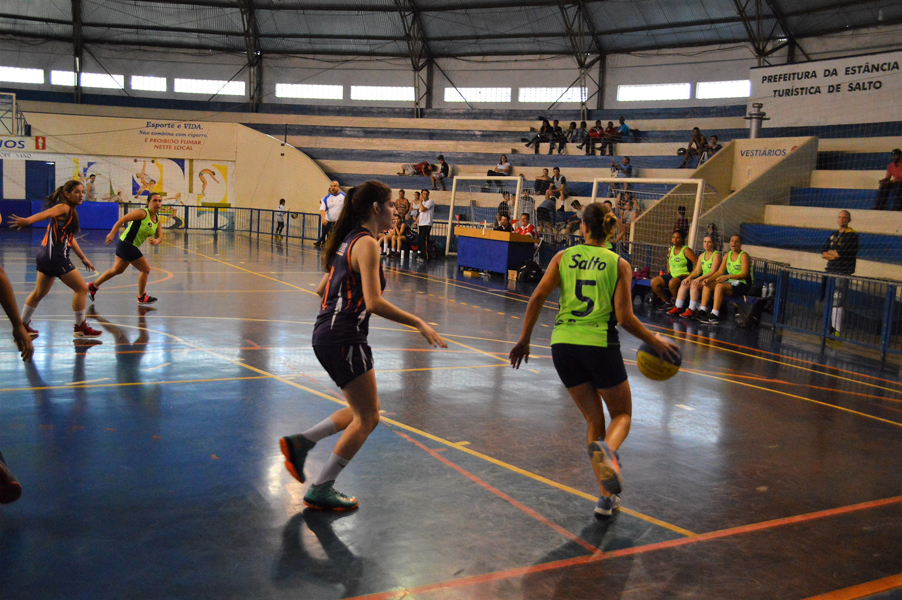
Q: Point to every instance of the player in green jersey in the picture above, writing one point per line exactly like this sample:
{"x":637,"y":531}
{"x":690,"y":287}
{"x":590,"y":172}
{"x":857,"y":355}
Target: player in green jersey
{"x":142,"y":223}
{"x":595,"y":297}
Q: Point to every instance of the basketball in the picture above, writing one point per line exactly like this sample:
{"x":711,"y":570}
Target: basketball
{"x":655,"y":367}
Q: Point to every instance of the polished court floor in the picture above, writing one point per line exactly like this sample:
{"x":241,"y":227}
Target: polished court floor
{"x":768,"y":468}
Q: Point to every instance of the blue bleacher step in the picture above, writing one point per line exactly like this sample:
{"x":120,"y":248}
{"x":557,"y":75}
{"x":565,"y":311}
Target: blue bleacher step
{"x":871,"y":246}
{"x":853,"y":161}
{"x":837,"y":198}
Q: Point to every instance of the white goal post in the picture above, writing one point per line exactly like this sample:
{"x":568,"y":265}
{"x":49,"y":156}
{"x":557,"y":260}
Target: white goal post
{"x":511,"y":184}
{"x":659,"y":218}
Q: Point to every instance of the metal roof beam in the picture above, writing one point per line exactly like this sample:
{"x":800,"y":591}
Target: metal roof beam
{"x":787,"y":31}
{"x":254,"y":54}
{"x":77,"y":49}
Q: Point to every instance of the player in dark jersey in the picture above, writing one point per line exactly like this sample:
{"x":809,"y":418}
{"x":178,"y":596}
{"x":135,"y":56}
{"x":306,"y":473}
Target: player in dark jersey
{"x":351,"y":291}
{"x":142,"y":224}
{"x":53,"y":256}
{"x":585,"y":346}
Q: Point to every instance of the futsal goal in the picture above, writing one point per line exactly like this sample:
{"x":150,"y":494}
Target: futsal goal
{"x":476,"y":200}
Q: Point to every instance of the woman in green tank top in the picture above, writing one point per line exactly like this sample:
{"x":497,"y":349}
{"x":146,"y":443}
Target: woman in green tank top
{"x":734,"y":278}
{"x":143,"y":223}
{"x":679,"y":256}
{"x":708,"y":264}
{"x":595,"y":296}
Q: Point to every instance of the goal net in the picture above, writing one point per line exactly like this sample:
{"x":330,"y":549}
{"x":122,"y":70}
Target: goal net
{"x":481,"y":201}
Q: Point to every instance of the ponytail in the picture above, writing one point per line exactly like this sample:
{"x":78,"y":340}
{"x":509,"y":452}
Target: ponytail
{"x":600,"y":220}
{"x":60,"y":196}
{"x":356,"y":211}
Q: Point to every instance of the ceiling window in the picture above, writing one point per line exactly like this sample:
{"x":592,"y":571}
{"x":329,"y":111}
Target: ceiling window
{"x":552,"y":94}
{"x":209,"y":87}
{"x":148,"y":83}
{"x":376,"y":92}
{"x":741,"y":88}
{"x":492,"y":94}
{"x":658,"y":91}
{"x":309,"y":92}
{"x":17,"y":75}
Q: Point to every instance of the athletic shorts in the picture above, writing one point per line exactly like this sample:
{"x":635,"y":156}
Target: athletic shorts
{"x":55,"y":268}
{"x":740,"y":289}
{"x":667,"y":277}
{"x":344,"y":364}
{"x":128,"y":252}
{"x":577,"y":365}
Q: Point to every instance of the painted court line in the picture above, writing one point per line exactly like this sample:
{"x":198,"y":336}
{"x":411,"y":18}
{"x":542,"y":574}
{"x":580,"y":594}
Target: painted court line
{"x":862,"y":590}
{"x":564,"y":532}
{"x":581,"y":560}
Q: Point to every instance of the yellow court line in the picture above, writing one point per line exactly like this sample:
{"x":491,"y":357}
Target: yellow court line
{"x":826,"y":404}
{"x":382,"y":371}
{"x":69,"y":386}
{"x":422,"y":433}
{"x":771,"y":360}
{"x":246,"y":270}
{"x":77,"y":383}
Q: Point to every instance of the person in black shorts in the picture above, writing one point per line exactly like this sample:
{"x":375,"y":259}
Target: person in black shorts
{"x":141,"y":224}
{"x":53,"y":255}
{"x":351,"y":291}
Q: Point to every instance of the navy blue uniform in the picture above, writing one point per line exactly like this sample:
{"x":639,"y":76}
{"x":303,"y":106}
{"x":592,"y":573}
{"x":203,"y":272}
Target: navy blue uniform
{"x":53,"y":255}
{"x":340,"y":333}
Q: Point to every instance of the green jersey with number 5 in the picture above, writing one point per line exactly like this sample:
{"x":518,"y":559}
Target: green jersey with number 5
{"x":588,"y":278}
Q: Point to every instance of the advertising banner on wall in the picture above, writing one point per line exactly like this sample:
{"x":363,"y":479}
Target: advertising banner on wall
{"x":842,"y":91}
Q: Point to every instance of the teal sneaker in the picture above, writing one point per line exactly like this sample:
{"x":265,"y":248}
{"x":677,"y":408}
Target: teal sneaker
{"x":10,"y":488}
{"x":606,"y":506}
{"x":295,"y":449}
{"x":326,"y":497}
{"x":606,"y":466}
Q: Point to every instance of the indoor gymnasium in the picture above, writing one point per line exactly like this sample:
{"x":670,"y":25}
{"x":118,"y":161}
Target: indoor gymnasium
{"x":450,"y":300}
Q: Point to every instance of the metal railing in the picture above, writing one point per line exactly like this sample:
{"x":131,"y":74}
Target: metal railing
{"x":858,"y":310}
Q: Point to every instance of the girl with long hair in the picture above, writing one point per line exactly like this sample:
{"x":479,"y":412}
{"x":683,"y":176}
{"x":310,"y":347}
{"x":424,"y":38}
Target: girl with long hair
{"x":53,"y":256}
{"x":351,"y":291}
{"x":141,"y":224}
{"x":585,"y":347}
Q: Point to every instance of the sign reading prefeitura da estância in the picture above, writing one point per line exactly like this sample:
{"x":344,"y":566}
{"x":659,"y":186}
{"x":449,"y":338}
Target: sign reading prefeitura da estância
{"x":856,"y":89}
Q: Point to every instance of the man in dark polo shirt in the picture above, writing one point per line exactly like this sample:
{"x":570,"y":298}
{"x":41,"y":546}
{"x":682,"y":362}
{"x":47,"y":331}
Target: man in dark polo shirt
{"x":841,"y":252}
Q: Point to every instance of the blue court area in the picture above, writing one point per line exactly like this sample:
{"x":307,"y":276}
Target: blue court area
{"x":767,"y":468}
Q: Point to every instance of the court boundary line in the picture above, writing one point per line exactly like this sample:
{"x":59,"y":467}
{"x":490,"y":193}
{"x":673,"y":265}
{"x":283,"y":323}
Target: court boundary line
{"x":862,"y":590}
{"x":602,"y":556}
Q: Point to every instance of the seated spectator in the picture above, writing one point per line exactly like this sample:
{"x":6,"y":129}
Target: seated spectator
{"x":576,"y":218}
{"x":542,"y":183}
{"x":566,"y":137}
{"x":557,"y":186}
{"x":557,"y":136}
{"x":696,"y":146}
{"x":694,"y":286}
{"x":504,"y":224}
{"x":715,"y":236}
{"x":596,"y":136}
{"x":629,"y":213}
{"x":580,"y":137}
{"x":402,"y":205}
{"x":713,"y":148}
{"x":611,"y":136}
{"x":615,"y":239}
{"x":504,"y":207}
{"x":414,"y":212}
{"x":384,"y":238}
{"x":682,"y":223}
{"x":623,"y":132}
{"x":402,"y":233}
{"x":502,"y":169}
{"x":544,"y":135}
{"x":625,"y":171}
{"x":526,"y":228}
{"x":421,"y":168}
{"x":440,"y":175}
{"x":680,"y":257}
{"x":890,"y":187}
{"x":733,"y":278}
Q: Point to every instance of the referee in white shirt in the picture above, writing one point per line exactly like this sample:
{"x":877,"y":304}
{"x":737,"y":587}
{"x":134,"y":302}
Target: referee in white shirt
{"x":329,"y":209}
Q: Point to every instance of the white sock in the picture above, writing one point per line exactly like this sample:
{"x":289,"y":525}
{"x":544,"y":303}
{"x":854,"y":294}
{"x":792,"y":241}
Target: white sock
{"x":79,"y":317}
{"x":27,"y":311}
{"x":332,"y":470}
{"x":716,"y":312}
{"x":693,"y":304}
{"x":680,"y":303}
{"x":321,"y":430}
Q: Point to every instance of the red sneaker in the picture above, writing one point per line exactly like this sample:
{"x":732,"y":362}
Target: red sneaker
{"x":31,"y":331}
{"x":688,"y":314}
{"x":84,"y":330}
{"x":674,"y":311}
{"x":92,"y":289}
{"x":146,"y":299}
